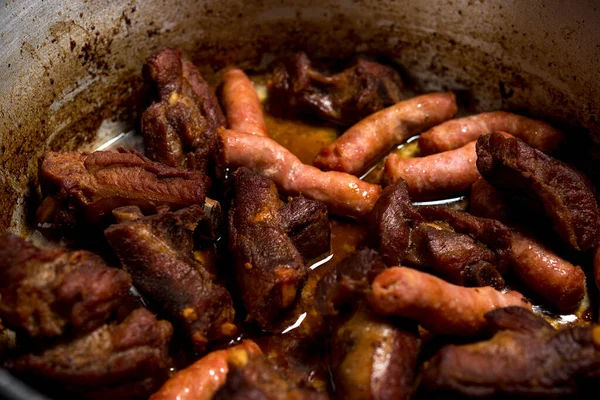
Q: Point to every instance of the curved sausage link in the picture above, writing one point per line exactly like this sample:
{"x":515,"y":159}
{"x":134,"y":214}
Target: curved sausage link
{"x":539,"y":268}
{"x":437,"y":305}
{"x":458,"y":132}
{"x":242,"y":107}
{"x":436,"y":176}
{"x":344,"y":194}
{"x":364,"y":142}
{"x":202,"y":379}
{"x":546,"y":274}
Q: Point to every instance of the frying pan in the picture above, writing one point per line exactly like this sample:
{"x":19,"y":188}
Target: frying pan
{"x":68,"y":65}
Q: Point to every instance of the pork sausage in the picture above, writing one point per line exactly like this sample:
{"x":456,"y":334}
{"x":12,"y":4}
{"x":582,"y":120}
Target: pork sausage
{"x":437,"y":305}
{"x":458,"y":132}
{"x":241,"y":104}
{"x":436,"y":176}
{"x":344,"y":194}
{"x":545,"y":273}
{"x":202,"y":379}
{"x":368,"y":139}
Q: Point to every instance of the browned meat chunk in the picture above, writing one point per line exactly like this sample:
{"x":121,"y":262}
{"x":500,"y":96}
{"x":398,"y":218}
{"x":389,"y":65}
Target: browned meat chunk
{"x":254,"y":377}
{"x":481,"y":274}
{"x":540,"y":182}
{"x":307,"y":225}
{"x":493,"y":234}
{"x":348,"y":281}
{"x":182,"y":124}
{"x":125,"y":361}
{"x":526,"y":357}
{"x":391,"y":223}
{"x":374,"y":358}
{"x":85,"y":187}
{"x":433,"y":239}
{"x":536,"y":265}
{"x":47,"y":293}
{"x":157,"y":252}
{"x":448,"y":253}
{"x":371,"y":358}
{"x":343,"y":98}
{"x":268,"y":268}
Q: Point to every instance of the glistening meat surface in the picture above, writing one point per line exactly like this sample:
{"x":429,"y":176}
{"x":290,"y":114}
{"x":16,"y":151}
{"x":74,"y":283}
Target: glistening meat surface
{"x":125,"y":361}
{"x":458,"y":132}
{"x":86,"y":187}
{"x":269,"y":270}
{"x":526,"y":358}
{"x":344,"y":194}
{"x":47,"y":293}
{"x":157,"y":252}
{"x":370,"y":138}
{"x":543,"y":271}
{"x":436,"y":304}
{"x":202,"y":379}
{"x":344,"y":98}
{"x":180,"y":126}
{"x":542,"y":183}
{"x":242,"y":107}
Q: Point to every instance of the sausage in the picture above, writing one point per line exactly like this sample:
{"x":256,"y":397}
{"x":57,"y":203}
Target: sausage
{"x":202,"y":379}
{"x":458,"y":132}
{"x":437,"y":305}
{"x":538,"y":267}
{"x":344,"y":194}
{"x":240,"y":102}
{"x":368,"y":139}
{"x":546,"y":274}
{"x":436,"y":176}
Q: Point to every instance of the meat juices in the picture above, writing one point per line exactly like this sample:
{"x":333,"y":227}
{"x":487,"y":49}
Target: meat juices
{"x":343,"y":98}
{"x":542,"y":184}
{"x":181,"y":125}
{"x":242,"y":107}
{"x":455,"y":133}
{"x":348,"y":281}
{"x":46,"y":293}
{"x":538,"y":267}
{"x":269,"y":270}
{"x":157,"y":252}
{"x":253,"y":376}
{"x":370,"y":138}
{"x":307,"y":224}
{"x":437,"y":305}
{"x":344,"y":194}
{"x":372,"y":358}
{"x":202,"y":379}
{"x":86,"y":187}
{"x":525,"y":358}
{"x":125,"y":361}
